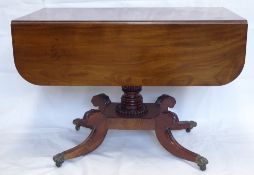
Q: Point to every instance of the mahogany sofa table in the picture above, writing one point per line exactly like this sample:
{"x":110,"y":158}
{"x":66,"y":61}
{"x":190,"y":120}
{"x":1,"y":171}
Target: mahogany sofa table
{"x":130,"y":47}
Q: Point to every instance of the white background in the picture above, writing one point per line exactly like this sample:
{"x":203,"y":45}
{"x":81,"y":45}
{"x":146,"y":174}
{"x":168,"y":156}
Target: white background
{"x":36,"y":122}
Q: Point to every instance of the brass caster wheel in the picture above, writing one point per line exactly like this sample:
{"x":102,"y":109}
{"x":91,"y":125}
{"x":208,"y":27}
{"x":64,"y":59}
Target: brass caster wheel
{"x":192,"y":125}
{"x":59,"y":159}
{"x":202,"y":167}
{"x":201,"y":162}
{"x":77,"y":128}
{"x":77,"y":123}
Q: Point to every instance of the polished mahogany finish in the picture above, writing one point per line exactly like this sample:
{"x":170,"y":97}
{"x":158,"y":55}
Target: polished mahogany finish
{"x":158,"y":118}
{"x":131,"y":102}
{"x":130,"y":46}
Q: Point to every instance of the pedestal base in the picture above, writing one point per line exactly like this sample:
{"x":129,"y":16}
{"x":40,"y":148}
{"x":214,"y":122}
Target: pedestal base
{"x":157,"y":117}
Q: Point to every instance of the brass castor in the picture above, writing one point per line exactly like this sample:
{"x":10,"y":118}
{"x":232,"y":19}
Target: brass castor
{"x":202,"y":162}
{"x":58,"y":159}
{"x":77,"y":123}
{"x":192,"y":125}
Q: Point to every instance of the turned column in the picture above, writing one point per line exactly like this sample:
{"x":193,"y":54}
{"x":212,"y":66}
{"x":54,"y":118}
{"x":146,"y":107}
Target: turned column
{"x":131,"y":102}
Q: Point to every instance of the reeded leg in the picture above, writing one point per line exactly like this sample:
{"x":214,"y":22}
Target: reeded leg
{"x":95,"y":120}
{"x":163,"y":126}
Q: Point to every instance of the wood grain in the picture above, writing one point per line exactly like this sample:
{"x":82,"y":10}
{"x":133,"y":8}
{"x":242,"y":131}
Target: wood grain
{"x":149,"y":53}
{"x":158,"y":118}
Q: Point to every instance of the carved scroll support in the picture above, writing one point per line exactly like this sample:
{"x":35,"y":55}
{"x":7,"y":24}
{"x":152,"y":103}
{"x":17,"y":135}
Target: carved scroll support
{"x":132,"y":114}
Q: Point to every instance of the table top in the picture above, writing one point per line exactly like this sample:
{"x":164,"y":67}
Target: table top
{"x":130,"y":46}
{"x":166,"y":14}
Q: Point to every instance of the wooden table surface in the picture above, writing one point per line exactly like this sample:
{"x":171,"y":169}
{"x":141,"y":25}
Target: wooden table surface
{"x":170,"y":14}
{"x":130,"y":46}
